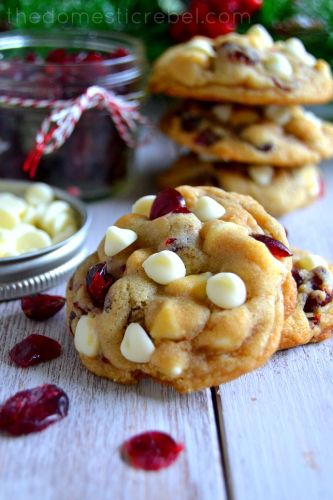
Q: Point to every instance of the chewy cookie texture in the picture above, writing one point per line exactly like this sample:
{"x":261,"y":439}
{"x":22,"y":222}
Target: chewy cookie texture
{"x":192,"y":289}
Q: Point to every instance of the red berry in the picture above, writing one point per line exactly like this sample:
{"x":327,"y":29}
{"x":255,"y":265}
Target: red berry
{"x":98,"y":282}
{"x":33,"y":350}
{"x":276,"y":248}
{"x":57,"y":56}
{"x":166,"y":201}
{"x":206,"y":137}
{"x":151,"y":451}
{"x":42,"y":306}
{"x":93,"y":57}
{"x":31,"y":57}
{"x":33,"y":410}
{"x":119,"y":52}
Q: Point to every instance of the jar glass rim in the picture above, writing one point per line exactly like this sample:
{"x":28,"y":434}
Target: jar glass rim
{"x":103,"y":41}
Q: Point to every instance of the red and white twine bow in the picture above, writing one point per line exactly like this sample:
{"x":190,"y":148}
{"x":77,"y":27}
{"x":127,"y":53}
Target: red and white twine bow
{"x":58,"y":126}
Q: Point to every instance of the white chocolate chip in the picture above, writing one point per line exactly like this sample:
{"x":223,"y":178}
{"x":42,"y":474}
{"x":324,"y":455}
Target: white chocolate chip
{"x":311,"y":261}
{"x":13,"y":203}
{"x":49,"y":213}
{"x":261,"y":175}
{"x":136,"y":345}
{"x":8,"y":218}
{"x":278,"y":114}
{"x":143,"y":205}
{"x":59,"y":223}
{"x":259,"y":32}
{"x":117,"y":239}
{"x":86,"y":338}
{"x":64,"y":234}
{"x":200,"y":44}
{"x":206,"y":208}
{"x":7,"y":243}
{"x":164,"y":267}
{"x":28,"y":238}
{"x":39,"y":193}
{"x":226,"y":290}
{"x":279,"y":65}
{"x":222,"y":112}
{"x":311,"y":117}
{"x":295,"y":47}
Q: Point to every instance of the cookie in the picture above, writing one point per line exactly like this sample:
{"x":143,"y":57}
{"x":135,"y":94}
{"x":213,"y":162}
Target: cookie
{"x":312,"y":320}
{"x":191,"y":289}
{"x":247,"y":69}
{"x":278,"y":190}
{"x":285,"y":137}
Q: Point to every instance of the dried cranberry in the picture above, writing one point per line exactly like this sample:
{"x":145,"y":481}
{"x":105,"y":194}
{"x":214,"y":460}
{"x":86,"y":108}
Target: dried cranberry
{"x":297,"y":277}
{"x":207,"y":137}
{"x":238,"y":54}
{"x":181,"y":210}
{"x":41,"y":306}
{"x":313,"y":302}
{"x":151,"y":450}
{"x":167,"y":201}
{"x":190,"y":122}
{"x":173,"y":244}
{"x":98,"y":282}
{"x":276,"y":248}
{"x":33,"y":410}
{"x":33,"y":350}
{"x":265,"y":148}
{"x":93,"y":57}
{"x":119,"y":52}
{"x":57,"y":56}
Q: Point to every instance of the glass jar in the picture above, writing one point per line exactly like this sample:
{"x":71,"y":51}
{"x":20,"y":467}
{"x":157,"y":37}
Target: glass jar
{"x":94,"y":160}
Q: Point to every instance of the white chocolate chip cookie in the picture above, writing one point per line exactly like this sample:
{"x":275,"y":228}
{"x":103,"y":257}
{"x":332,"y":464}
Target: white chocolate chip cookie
{"x":248,"y":69}
{"x":199,"y":297}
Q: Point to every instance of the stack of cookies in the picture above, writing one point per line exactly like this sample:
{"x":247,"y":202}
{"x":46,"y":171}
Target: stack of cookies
{"x":195,"y":287}
{"x":241,"y":124}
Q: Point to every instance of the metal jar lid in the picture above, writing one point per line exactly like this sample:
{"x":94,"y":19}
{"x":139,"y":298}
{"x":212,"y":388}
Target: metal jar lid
{"x":37,"y":271}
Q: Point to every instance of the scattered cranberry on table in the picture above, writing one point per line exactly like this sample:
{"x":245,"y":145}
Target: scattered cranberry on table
{"x":42,"y":306}
{"x":151,"y":451}
{"x":33,"y":350}
{"x":33,"y":410}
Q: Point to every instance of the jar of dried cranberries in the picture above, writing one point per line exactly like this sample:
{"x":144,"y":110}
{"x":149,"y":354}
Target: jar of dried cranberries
{"x":53,"y":67}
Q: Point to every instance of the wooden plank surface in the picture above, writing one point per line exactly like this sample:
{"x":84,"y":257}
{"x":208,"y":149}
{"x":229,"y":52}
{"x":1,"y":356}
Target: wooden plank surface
{"x":278,"y":421}
{"x":78,"y":458}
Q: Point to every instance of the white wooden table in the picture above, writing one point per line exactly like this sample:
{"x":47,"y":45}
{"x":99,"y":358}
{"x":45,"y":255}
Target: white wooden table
{"x":265,"y":436}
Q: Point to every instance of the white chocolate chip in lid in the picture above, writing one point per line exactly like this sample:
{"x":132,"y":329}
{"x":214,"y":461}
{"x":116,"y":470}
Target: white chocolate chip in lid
{"x":8,"y":218}
{"x":7,"y":243}
{"x":311,"y":261}
{"x":13,"y":203}
{"x":222,"y":112}
{"x":29,"y":238}
{"x":136,"y":345}
{"x":117,"y":239}
{"x":279,"y":66}
{"x":226,"y":290}
{"x":278,"y":114}
{"x":39,"y":193}
{"x":200,"y":44}
{"x":206,"y":208}
{"x":261,"y":175}
{"x":261,"y":34}
{"x":164,"y":267}
{"x":86,"y":338}
{"x":295,"y":47}
{"x":143,"y":205}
